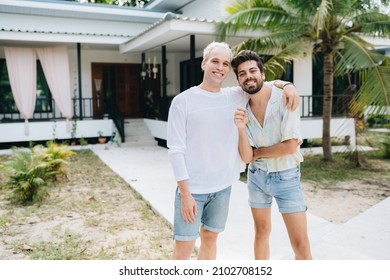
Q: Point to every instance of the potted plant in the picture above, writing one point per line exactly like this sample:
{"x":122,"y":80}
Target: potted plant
{"x":101,"y":138}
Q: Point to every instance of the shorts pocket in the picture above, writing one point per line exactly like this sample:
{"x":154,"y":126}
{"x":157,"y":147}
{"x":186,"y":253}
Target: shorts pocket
{"x":290,"y":175}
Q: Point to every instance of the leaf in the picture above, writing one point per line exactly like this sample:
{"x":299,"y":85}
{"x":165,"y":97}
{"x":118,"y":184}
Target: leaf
{"x":355,"y":55}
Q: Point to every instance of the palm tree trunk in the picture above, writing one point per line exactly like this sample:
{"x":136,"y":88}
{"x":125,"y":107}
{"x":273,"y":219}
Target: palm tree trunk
{"x":327,"y":107}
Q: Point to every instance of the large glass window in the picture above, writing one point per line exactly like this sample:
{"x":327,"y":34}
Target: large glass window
{"x":7,"y":103}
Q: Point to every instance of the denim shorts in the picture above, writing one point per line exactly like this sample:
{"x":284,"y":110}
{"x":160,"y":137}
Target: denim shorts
{"x":284,"y":186}
{"x":212,"y":215}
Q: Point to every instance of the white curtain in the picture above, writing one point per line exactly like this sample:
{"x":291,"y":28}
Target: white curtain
{"x":21,"y":66}
{"x":55,"y":66}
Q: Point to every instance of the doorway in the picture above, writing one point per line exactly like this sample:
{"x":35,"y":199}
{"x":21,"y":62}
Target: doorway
{"x":122,"y":83}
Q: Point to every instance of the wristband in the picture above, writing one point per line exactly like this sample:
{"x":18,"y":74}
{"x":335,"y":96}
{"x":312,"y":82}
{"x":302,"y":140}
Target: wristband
{"x":289,"y":83}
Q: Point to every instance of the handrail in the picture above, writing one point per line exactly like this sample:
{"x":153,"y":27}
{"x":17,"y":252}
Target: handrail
{"x":116,"y":116}
{"x":311,"y":106}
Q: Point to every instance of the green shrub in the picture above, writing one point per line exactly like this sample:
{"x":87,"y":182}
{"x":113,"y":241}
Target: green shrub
{"x":57,"y":155}
{"x":31,"y":171}
{"x":28,"y":178}
{"x":386,"y":146}
{"x":378,"y":120}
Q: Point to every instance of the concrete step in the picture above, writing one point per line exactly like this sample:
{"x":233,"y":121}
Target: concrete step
{"x":137,"y":133}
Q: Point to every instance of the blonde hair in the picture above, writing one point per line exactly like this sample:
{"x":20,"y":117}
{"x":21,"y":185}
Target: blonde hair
{"x":213,"y":45}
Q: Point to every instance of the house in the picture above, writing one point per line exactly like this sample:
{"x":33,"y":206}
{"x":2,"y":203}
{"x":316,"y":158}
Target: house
{"x":124,"y":63}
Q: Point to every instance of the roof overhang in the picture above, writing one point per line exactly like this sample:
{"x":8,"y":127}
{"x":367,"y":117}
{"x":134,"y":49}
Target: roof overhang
{"x":174,"y":32}
{"x":19,"y":38}
{"x":80,"y":10}
{"x":167,"y":5}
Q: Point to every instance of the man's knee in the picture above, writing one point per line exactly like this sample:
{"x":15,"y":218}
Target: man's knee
{"x":263,"y":229}
{"x":208,"y":237}
{"x":182,"y":250}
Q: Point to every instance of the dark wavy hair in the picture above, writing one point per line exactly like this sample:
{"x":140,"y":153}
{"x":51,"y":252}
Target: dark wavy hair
{"x":246,"y":55}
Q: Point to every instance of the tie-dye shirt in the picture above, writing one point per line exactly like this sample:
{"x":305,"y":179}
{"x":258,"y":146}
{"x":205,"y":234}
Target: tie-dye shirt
{"x":280,"y":124}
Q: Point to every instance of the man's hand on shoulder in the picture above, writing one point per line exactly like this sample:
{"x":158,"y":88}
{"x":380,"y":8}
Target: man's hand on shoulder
{"x":290,"y":94}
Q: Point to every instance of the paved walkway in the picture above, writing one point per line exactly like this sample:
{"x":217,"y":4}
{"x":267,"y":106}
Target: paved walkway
{"x":364,"y":237}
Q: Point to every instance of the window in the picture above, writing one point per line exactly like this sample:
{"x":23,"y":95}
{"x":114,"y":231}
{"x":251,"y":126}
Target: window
{"x":7,"y":103}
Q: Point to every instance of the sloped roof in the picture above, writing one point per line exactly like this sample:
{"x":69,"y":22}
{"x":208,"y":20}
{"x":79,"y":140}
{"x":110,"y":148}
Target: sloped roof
{"x":173,"y":31}
{"x":49,"y":22}
{"x":104,"y":26}
{"x":71,"y":9}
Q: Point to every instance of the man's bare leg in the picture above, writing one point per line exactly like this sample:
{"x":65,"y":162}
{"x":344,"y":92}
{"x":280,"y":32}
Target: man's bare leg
{"x":182,"y":250}
{"x":208,"y":245}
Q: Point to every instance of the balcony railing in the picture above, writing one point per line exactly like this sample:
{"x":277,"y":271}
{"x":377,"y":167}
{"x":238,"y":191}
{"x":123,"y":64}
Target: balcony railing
{"x":312,"y":105}
{"x":45,"y":109}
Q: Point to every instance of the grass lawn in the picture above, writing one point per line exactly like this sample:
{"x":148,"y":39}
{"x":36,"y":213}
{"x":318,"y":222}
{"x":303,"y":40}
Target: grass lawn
{"x":91,"y":214}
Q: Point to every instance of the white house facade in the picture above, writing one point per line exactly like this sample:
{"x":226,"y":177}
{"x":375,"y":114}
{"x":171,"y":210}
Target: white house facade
{"x":123,"y":63}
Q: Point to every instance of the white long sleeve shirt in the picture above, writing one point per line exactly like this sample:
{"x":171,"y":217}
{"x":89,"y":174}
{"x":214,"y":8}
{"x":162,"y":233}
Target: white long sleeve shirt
{"x":203,"y":139}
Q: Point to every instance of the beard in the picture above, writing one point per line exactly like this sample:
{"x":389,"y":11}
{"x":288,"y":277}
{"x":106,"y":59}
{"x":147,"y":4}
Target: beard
{"x":252,"y":89}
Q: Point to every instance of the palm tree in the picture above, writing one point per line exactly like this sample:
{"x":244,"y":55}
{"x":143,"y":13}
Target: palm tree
{"x":291,"y":29}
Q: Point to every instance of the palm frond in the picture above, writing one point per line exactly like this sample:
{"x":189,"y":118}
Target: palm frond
{"x":281,"y":56}
{"x":371,"y":23}
{"x":251,"y":15}
{"x":375,"y":90}
{"x":300,"y":8}
{"x":355,"y":55}
{"x":345,"y":7}
{"x":321,"y":16}
{"x":270,"y":43}
{"x":293,"y":51}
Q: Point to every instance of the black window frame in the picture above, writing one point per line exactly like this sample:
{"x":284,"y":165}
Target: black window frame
{"x":43,"y":102}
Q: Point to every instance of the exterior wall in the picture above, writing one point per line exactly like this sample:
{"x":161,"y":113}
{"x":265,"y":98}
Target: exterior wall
{"x":340,"y":127}
{"x":173,"y":72}
{"x":42,"y":131}
{"x":303,"y":80}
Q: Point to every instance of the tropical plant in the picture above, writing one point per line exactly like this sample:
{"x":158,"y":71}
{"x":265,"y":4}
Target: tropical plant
{"x":386,"y":147}
{"x":289,"y":30}
{"x":57,"y":157}
{"x":32,"y":170}
{"x":27,"y":177}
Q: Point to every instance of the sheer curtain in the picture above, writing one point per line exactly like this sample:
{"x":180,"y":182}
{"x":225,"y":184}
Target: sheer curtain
{"x":21,"y":66}
{"x":55,"y":66}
